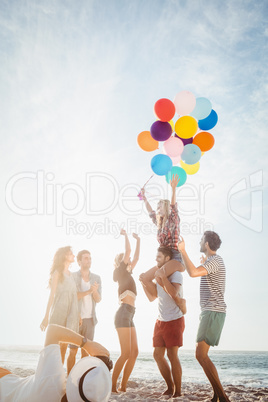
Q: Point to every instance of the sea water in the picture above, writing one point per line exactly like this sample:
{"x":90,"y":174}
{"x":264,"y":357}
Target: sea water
{"x":234,"y":367}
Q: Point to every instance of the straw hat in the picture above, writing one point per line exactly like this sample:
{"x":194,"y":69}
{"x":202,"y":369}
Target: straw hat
{"x":89,"y":380}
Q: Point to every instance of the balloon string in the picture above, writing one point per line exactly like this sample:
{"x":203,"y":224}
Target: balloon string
{"x":148,"y":180}
{"x":141,"y":197}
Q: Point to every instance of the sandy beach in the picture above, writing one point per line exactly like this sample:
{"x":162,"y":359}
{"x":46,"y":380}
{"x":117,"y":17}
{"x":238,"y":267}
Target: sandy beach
{"x":146,"y":390}
{"x":151,"y":391}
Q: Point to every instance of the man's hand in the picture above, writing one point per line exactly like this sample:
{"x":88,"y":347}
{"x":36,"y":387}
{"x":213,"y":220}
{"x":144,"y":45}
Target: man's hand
{"x":94,"y":287}
{"x":181,"y":245}
{"x":160,"y":273}
{"x":142,"y":278}
{"x":203,"y":259}
{"x":174,"y":181}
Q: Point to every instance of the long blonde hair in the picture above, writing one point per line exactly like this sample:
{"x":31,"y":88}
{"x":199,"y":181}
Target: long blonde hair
{"x":59,"y":263}
{"x":118,"y":259}
{"x":161,"y":220}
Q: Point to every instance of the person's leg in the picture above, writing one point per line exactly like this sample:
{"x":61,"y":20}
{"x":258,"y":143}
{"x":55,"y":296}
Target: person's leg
{"x":172,"y":354}
{"x":159,"y":357}
{"x":71,"y":359}
{"x":63,"y":348}
{"x":124,"y":335}
{"x":87,"y":330}
{"x":210,"y":371}
{"x":172,"y":266}
{"x":131,"y":360}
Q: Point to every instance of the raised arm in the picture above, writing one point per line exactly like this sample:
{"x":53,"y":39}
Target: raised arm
{"x":147,"y":205}
{"x":54,"y":284}
{"x":137,"y":251}
{"x":173,"y":182}
{"x":192,"y":270}
{"x":127,"y":246}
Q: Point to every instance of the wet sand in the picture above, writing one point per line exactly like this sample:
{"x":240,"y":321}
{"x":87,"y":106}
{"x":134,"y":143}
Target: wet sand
{"x":150,"y":391}
{"x":146,"y":390}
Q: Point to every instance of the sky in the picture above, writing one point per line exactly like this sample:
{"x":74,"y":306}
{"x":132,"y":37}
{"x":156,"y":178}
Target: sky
{"x":78,"y":83}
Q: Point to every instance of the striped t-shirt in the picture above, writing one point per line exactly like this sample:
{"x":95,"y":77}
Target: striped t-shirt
{"x":212,"y":286}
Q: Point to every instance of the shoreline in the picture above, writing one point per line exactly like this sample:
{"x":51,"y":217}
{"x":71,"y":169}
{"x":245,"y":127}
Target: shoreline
{"x":145,"y":390}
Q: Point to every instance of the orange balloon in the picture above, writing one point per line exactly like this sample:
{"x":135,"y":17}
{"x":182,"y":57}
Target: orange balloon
{"x":147,"y":142}
{"x":204,"y":141}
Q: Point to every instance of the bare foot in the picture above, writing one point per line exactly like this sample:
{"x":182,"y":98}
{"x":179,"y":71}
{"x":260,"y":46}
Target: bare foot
{"x":114,"y":390}
{"x":121,"y":389}
{"x":168,"y":392}
{"x":176,"y":394}
{"x":215,"y":398}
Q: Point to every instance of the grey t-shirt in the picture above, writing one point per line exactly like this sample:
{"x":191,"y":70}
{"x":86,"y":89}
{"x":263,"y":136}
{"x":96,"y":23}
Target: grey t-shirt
{"x":168,"y":309}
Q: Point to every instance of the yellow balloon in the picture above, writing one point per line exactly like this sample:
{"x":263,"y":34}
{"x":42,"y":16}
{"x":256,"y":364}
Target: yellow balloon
{"x":186,"y":126}
{"x":190,"y":169}
{"x":172,"y":124}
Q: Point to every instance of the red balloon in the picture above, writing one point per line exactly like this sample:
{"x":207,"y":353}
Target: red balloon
{"x":164,"y":109}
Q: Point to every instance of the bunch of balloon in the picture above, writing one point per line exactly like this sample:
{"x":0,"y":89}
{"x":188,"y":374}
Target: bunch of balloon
{"x":183,"y":142}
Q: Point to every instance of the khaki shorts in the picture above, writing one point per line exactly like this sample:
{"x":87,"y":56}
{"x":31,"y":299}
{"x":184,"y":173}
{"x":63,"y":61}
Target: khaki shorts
{"x":210,"y":327}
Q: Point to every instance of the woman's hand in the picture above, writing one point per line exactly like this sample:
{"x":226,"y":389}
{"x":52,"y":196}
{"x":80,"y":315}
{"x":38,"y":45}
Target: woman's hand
{"x":44,"y":324}
{"x":135,"y":236}
{"x":123,"y":232}
{"x":174,"y":181}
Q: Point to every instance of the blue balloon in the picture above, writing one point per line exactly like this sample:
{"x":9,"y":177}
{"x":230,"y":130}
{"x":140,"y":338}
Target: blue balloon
{"x":191,"y":154}
{"x":202,"y":108}
{"x":161,"y":164}
{"x":180,"y":172}
{"x":209,"y":122}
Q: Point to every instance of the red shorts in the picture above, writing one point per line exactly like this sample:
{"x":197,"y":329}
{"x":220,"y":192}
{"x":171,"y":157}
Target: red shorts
{"x":168,"y":333}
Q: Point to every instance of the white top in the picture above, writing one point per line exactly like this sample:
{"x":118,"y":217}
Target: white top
{"x":47,"y":384}
{"x":86,"y":307}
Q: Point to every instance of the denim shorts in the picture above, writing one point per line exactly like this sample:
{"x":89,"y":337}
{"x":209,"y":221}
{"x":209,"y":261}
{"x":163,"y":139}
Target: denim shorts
{"x":124,"y":316}
{"x":176,"y":255}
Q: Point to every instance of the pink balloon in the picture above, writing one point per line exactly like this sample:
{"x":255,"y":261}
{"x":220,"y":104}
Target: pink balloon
{"x":176,"y":160}
{"x":184,"y":102}
{"x":173,"y":147}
